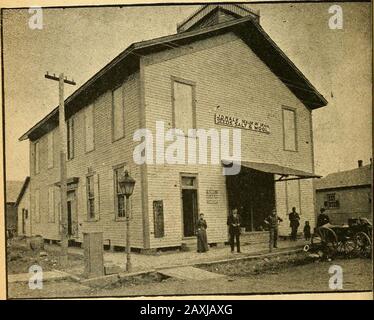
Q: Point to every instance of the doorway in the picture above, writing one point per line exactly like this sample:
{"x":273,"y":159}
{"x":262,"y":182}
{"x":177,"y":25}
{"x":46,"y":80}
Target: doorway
{"x":252,"y":192}
{"x":189,"y":205}
{"x":72,"y":218}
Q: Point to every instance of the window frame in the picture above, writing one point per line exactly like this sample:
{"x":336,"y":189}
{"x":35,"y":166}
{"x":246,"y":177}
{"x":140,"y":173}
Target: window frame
{"x":286,"y":108}
{"x":332,"y":201}
{"x":193,"y":85}
{"x":90,"y":198}
{"x":118,"y":168}
{"x":114,"y":139}
{"x":70,"y":145}
{"x":92,"y":105}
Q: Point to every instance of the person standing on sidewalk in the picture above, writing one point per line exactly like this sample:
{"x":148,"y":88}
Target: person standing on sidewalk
{"x":233,"y":221}
{"x":272,"y":221}
{"x":294,"y":223}
{"x":202,"y":239}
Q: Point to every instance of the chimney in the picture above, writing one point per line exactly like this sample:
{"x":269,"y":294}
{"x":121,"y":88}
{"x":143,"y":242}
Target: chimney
{"x":359,"y":163}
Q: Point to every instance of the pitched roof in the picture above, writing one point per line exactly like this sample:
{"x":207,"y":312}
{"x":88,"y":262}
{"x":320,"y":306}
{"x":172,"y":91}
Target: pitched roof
{"x":23,"y":190}
{"x":211,"y":12}
{"x":13,"y":189}
{"x":127,"y":62}
{"x":350,"y":178}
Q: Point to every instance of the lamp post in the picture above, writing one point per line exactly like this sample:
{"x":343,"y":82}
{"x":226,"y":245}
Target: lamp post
{"x":127,"y":183}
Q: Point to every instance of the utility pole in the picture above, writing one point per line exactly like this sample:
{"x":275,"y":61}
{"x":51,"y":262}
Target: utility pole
{"x":63,"y":182}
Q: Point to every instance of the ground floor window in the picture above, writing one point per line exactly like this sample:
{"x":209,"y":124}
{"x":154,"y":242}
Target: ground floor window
{"x":120,"y":202}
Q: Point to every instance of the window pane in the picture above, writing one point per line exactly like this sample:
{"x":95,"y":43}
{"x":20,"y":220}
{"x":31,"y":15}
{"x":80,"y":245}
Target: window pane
{"x":289,"y":130}
{"x":118,"y":129}
{"x":50,"y":150}
{"x":183,"y":106}
{"x":89,"y":127}
{"x":121,"y":205}
{"x":91,"y":208}
{"x":188,"y":181}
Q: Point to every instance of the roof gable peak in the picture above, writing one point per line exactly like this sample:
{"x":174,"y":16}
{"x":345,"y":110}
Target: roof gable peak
{"x":211,"y":14}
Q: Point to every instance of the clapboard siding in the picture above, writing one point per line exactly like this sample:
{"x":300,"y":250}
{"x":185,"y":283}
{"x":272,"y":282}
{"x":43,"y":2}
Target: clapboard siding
{"x":101,"y":161}
{"x":227,"y":74}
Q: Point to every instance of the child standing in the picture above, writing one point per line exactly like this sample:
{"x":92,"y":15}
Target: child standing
{"x":307,"y":234}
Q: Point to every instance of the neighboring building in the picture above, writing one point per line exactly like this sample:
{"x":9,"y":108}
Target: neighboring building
{"x":346,"y":194}
{"x":220,"y":66}
{"x":13,"y":189}
{"x":23,"y":209}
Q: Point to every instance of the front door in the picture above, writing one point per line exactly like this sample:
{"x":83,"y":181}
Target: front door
{"x":189,"y":205}
{"x":72,"y":216}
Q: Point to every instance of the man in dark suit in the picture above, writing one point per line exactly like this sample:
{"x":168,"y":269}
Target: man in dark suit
{"x":233,"y":221}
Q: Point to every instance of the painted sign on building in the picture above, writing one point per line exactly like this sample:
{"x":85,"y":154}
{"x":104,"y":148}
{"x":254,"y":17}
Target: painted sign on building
{"x":235,"y":122}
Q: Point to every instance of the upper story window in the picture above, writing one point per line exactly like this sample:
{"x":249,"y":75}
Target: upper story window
{"x":70,"y":138}
{"x":50,"y":150}
{"x":89,"y":128}
{"x":289,"y":129}
{"x":332,"y":201}
{"x":36,"y":157}
{"x":118,"y":128}
{"x":183,"y":105}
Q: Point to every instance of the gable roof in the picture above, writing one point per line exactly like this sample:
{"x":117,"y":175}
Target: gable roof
{"x":13,"y":189}
{"x":127,"y":62}
{"x":350,"y":178}
{"x":211,"y":13}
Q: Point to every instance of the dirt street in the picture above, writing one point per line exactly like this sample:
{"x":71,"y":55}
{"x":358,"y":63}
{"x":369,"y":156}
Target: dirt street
{"x":313,"y":277}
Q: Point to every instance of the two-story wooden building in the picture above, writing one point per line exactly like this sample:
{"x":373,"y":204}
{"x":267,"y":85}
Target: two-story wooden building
{"x":220,"y":70}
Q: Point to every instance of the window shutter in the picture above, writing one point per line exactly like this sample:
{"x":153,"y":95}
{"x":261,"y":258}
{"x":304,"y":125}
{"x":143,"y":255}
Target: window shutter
{"x":84,"y":198}
{"x":97,"y":196}
{"x":59,"y":214}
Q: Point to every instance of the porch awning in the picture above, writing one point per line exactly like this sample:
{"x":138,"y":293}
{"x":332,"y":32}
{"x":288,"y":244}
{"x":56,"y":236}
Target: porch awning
{"x":283,"y":172}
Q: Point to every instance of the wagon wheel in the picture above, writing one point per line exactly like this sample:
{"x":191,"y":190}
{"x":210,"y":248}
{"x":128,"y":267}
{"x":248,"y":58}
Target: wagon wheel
{"x":326,"y":239}
{"x":363,"y":244}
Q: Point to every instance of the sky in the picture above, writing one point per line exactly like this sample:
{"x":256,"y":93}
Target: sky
{"x":80,"y":41}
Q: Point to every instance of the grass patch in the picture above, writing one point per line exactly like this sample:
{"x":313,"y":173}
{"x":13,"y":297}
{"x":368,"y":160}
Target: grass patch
{"x":20,"y":258}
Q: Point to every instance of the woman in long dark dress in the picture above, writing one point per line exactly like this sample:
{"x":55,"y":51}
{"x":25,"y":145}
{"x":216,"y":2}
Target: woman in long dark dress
{"x":202,"y":240}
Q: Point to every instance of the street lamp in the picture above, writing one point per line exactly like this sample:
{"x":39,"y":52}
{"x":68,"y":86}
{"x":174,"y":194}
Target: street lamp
{"x":126,"y":184}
